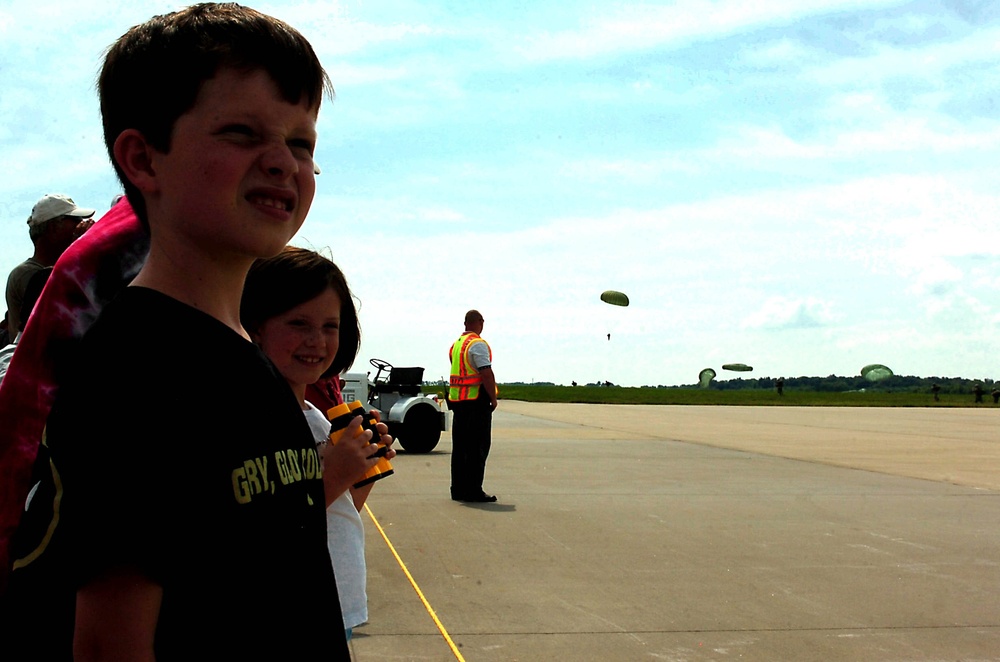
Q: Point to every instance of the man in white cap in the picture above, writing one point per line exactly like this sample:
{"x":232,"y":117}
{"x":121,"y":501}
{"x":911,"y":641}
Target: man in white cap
{"x":54,"y":224}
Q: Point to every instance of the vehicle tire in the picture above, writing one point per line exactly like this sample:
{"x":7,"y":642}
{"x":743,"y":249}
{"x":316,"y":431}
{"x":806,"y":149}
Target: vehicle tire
{"x":420,"y":430}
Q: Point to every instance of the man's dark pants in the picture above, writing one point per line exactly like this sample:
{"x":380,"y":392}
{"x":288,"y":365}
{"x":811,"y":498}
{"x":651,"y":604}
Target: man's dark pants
{"x":471,"y":428}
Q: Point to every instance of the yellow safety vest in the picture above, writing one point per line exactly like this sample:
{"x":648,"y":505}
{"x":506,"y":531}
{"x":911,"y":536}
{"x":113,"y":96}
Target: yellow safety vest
{"x":465,"y":379}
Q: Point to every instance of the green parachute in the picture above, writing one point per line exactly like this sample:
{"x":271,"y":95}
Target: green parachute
{"x":614,"y":297}
{"x":705,"y":377}
{"x":737,"y":367}
{"x":875,"y":372}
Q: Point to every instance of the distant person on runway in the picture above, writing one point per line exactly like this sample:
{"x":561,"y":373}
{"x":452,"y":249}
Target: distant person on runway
{"x":472,"y":396}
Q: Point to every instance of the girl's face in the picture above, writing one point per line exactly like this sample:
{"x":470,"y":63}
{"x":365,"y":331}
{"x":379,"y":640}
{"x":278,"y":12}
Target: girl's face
{"x":303,"y":341}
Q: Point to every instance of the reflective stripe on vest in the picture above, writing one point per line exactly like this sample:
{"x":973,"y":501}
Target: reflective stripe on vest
{"x":465,"y":379}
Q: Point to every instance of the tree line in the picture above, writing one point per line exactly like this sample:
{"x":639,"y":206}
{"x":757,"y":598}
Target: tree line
{"x":839,"y":383}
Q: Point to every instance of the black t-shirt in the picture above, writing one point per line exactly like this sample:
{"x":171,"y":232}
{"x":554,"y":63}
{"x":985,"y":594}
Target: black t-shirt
{"x":214,"y":492}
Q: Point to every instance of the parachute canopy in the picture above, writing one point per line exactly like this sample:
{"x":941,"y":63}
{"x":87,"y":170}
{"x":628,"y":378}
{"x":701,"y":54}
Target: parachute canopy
{"x":705,"y":377}
{"x":614,"y":298}
{"x":874,"y":372}
{"x":737,"y":367}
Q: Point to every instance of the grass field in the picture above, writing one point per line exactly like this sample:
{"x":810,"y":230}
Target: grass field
{"x":748,"y":397}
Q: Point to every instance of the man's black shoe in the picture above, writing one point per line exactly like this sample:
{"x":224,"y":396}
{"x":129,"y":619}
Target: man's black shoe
{"x":478,"y":498}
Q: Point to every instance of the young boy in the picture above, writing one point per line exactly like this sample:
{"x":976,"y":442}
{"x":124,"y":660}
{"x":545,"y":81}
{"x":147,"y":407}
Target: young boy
{"x":176,"y":516}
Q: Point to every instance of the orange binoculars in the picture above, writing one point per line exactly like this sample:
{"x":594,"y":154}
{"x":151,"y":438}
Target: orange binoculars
{"x":340,"y":417}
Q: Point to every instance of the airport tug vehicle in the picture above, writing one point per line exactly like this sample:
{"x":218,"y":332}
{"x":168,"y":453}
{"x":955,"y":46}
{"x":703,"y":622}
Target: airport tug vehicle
{"x":414,"y":419}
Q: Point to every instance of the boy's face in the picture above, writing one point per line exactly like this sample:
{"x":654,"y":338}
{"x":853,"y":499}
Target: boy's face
{"x":238,"y":179}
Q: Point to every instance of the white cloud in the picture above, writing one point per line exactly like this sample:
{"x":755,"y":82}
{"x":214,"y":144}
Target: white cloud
{"x":894,"y":135}
{"x":784,"y":52}
{"x":929,"y":62}
{"x":638,"y":27}
{"x":335,"y":36}
{"x":347,"y":74}
{"x":783,"y":313}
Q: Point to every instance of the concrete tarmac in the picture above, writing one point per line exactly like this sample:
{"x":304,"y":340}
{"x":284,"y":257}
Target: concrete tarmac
{"x":696,"y":533}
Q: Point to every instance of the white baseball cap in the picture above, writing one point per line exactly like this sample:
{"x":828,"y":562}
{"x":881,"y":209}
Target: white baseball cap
{"x":55,"y":205}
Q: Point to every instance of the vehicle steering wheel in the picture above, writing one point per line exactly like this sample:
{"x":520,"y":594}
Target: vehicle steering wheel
{"x":380,"y":364}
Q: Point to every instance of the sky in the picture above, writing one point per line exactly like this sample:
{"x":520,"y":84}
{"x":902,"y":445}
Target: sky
{"x":804,"y":186}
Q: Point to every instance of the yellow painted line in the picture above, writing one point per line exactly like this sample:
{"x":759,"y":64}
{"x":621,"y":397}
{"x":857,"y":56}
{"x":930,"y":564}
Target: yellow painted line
{"x":413,"y":583}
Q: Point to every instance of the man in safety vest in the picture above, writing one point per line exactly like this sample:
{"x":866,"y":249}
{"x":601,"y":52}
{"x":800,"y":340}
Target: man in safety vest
{"x":472,"y":397}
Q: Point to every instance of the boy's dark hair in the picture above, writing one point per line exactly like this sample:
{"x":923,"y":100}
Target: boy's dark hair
{"x":277,"y":284}
{"x":153,"y":73}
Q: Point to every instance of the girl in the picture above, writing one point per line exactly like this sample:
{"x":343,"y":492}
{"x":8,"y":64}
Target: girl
{"x":298,"y":309}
